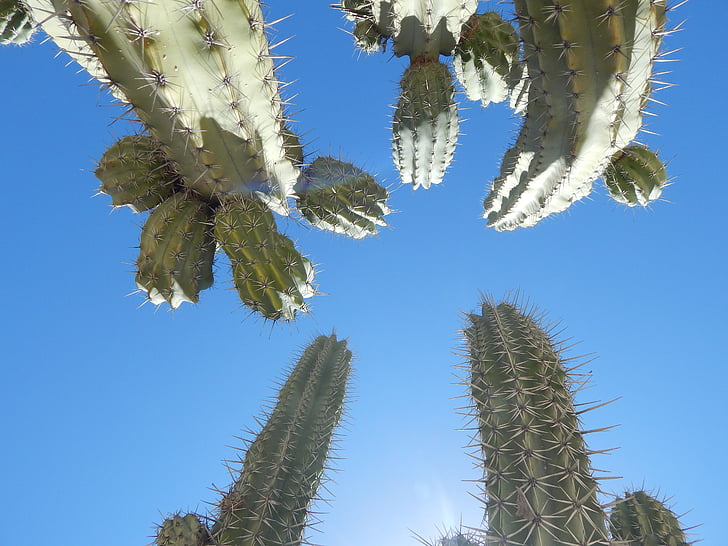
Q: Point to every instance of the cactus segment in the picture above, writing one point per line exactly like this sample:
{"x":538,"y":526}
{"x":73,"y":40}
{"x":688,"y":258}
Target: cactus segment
{"x":202,"y":82}
{"x":283,"y":467}
{"x":271,"y":276}
{"x":426,"y":125}
{"x":136,"y":173}
{"x":639,"y":519}
{"x":485,"y":60}
{"x":177,"y":251}
{"x":423,"y":28}
{"x":589,"y":65}
{"x":185,"y":530}
{"x":339,"y":197}
{"x":16,"y":25}
{"x":635,"y":176}
{"x":539,"y":483}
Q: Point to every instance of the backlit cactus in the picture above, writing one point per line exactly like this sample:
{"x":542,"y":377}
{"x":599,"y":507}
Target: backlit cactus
{"x":635,"y":176}
{"x":425,"y":125}
{"x":284,"y":465}
{"x":589,"y":68}
{"x":540,"y":487}
{"x":16,"y":24}
{"x":639,"y":519}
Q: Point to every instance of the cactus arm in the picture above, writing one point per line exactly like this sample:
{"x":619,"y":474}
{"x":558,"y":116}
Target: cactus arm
{"x":16,"y":24}
{"x":639,"y":519}
{"x":635,"y":176}
{"x":539,"y":484}
{"x":283,"y":466}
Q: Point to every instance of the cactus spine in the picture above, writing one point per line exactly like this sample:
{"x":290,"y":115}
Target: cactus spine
{"x":16,"y":24}
{"x":539,"y":484}
{"x":601,"y":52}
{"x":638,"y":519}
{"x":635,"y":176}
{"x":283,"y":467}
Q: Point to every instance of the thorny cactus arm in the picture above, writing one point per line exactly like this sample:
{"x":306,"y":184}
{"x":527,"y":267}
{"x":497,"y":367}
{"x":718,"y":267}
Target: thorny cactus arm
{"x":635,"y":176}
{"x":539,"y":483}
{"x":283,"y":467}
{"x":639,"y":519}
{"x":589,"y":64}
{"x":16,"y":24}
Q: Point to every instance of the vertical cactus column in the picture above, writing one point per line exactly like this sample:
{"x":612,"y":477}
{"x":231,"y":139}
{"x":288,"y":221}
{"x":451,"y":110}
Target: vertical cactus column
{"x":589,"y":67}
{"x":539,"y":484}
{"x":283,"y":467}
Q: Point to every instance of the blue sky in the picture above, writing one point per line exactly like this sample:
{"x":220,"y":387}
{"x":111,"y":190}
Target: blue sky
{"x":115,"y":415}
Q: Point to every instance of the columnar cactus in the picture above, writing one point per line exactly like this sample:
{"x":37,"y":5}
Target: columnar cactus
{"x":283,"y":467}
{"x":635,"y":176}
{"x":639,"y":519}
{"x":539,"y":483}
{"x":589,"y":64}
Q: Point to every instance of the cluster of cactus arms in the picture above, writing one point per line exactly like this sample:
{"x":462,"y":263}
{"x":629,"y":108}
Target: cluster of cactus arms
{"x":580,"y":72}
{"x":282,"y":469}
{"x":216,"y":157}
{"x":540,"y":488}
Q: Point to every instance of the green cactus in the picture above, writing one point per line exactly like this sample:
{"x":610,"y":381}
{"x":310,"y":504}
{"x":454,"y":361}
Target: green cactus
{"x":136,"y":173}
{"x":16,"y":24}
{"x":635,"y":176}
{"x":284,"y":465}
{"x":589,"y":67}
{"x":639,"y":519}
{"x":486,"y":58}
{"x":339,"y":197}
{"x":271,"y":276}
{"x":177,"y":251}
{"x":426,"y":125}
{"x":539,"y":484}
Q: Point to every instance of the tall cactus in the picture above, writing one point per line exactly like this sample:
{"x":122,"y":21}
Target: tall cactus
{"x":589,"y":64}
{"x":539,"y":483}
{"x":283,"y":467}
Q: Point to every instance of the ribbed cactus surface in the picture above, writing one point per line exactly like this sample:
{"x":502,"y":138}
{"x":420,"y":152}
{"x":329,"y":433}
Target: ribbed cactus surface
{"x":426,"y":124}
{"x":16,"y":24}
{"x":639,"y":519}
{"x":282,"y":469}
{"x":635,"y":176}
{"x":539,"y":485}
{"x":185,"y":530}
{"x":589,"y":65}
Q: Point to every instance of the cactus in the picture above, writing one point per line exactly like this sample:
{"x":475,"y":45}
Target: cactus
{"x":539,"y":484}
{"x":271,"y":276}
{"x":176,"y":251}
{"x":339,"y":197}
{"x":425,"y":125}
{"x":589,"y":66}
{"x":486,"y":59}
{"x":16,"y":24}
{"x":283,"y":467}
{"x":638,"y":519}
{"x":635,"y":176}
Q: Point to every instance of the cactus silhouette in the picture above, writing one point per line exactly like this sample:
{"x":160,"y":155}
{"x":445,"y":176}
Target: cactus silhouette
{"x":283,"y":466}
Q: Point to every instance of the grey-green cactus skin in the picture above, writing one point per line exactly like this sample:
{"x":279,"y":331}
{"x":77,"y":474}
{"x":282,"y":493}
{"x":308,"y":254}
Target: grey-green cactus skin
{"x":589,"y":67}
{"x":540,"y":487}
{"x":635,"y":176}
{"x":269,"y":503}
{"x":16,"y":24}
{"x":639,"y":519}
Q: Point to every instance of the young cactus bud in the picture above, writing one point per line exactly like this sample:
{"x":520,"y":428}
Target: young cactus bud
{"x":177,"y":251}
{"x":16,"y":24}
{"x":271,"y":276}
{"x":339,"y":197}
{"x":539,"y":484}
{"x":136,"y":173}
{"x":283,"y":467}
{"x":486,"y":58}
{"x":426,"y":125}
{"x":639,"y":519}
{"x":635,"y":176}
{"x":185,"y":530}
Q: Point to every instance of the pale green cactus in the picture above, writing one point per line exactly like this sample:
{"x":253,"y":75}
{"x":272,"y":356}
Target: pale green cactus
{"x":639,"y":519}
{"x":283,"y":467}
{"x":16,"y":24}
{"x":635,"y":176}
{"x":589,"y":68}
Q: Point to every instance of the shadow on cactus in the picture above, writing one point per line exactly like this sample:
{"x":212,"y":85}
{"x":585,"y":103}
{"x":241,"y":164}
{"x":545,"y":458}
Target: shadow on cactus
{"x":216,"y":158}
{"x":539,"y":487}
{"x":283,"y":466}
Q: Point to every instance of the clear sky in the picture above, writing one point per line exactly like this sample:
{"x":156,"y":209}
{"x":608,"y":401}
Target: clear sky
{"x":114,"y":415}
